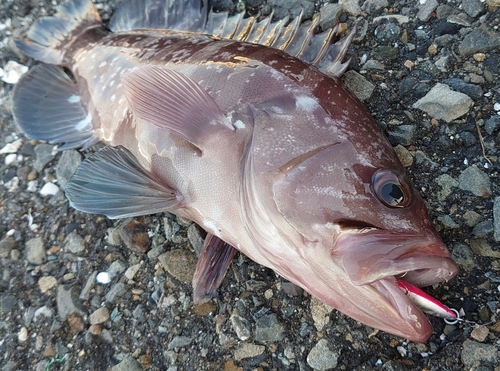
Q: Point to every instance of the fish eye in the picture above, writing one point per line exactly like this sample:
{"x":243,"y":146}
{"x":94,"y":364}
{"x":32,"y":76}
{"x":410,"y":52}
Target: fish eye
{"x":392,"y":188}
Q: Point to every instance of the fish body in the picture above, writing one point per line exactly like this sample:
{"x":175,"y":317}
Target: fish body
{"x":240,"y":127}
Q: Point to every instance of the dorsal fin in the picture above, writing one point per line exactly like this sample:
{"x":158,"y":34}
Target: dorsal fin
{"x":192,"y":15}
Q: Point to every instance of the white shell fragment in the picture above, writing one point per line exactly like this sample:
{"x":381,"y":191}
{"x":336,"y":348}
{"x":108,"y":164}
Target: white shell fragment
{"x":11,"y":147}
{"x":49,"y":189}
{"x":12,"y":72}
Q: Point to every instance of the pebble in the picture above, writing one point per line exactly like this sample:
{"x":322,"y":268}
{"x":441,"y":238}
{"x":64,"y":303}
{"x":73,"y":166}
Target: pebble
{"x":99,"y":316}
{"x":132,"y":271}
{"x":134,"y":234}
{"x":372,"y":6}
{"x":68,"y":302}
{"x":43,"y":312}
{"x":7,"y":303}
{"x":6,"y":246}
{"x":49,"y":189}
{"x":128,"y":364}
{"x":321,"y":357}
{"x":463,"y":256}
{"x":247,"y":350}
{"x":447,"y":184}
{"x":402,"y":134}
{"x":116,"y":291}
{"x":179,"y":263}
{"x":75,"y":243}
{"x":103,"y":278}
{"x":35,"y":251}
{"x":67,"y":165}
{"x":426,"y":8}
{"x":351,"y":7}
{"x":179,"y":342}
{"x":194,"y":237}
{"x":267,"y":328}
{"x":480,"y":333}
{"x":116,"y":269}
{"x":492,"y":124}
{"x":12,"y":72}
{"x":330,"y":14}
{"x":320,"y":313}
{"x":22,"y":335}
{"x":483,"y":229}
{"x":479,"y":40}
{"x":475,"y":354}
{"x":358,"y":84}
{"x":476,"y":181}
{"x":443,"y":103}
{"x":481,"y":247}
{"x":241,"y":326}
{"x":11,"y":147}
{"x":292,"y":8}
{"x":496,"y":219}
{"x":472,"y":90}
{"x":44,"y":154}
{"x":46,"y":283}
{"x":472,"y":7}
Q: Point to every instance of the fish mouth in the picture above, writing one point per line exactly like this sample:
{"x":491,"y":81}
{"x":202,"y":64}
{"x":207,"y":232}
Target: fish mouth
{"x":378,"y":259}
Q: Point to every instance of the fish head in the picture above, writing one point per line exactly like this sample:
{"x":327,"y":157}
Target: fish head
{"x":361,"y":227}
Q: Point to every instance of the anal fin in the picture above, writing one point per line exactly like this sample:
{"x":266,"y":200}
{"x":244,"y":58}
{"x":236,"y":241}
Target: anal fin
{"x":215,"y":258}
{"x":112,"y":182}
{"x":47,"y":106}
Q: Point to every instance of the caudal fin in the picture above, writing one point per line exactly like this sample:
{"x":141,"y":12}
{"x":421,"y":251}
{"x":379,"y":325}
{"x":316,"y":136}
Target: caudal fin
{"x":48,"y":37}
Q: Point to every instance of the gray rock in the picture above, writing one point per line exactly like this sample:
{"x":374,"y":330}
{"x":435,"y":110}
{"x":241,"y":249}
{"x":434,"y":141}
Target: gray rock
{"x":472,"y":90}
{"x":483,"y":229}
{"x":496,"y":219}
{"x":282,"y":8}
{"x":89,"y":285}
{"x":476,"y":181}
{"x":357,"y":83}
{"x":388,"y":32}
{"x":425,"y":9}
{"x":43,"y":311}
{"x":471,"y":218}
{"x":99,"y":316}
{"x":179,"y":342}
{"x":128,"y":364}
{"x":472,"y":7}
{"x":443,"y":103}
{"x":463,"y":256}
{"x":492,"y":124}
{"x":247,"y":350}
{"x":180,"y":264}
{"x":267,"y":328}
{"x":330,"y":14}
{"x":44,"y":154}
{"x":351,"y":7}
{"x":116,"y":268}
{"x":321,"y":357}
{"x":68,"y":302}
{"x":320,"y":313}
{"x":448,"y":222}
{"x":35,"y":251}
{"x":7,"y":303}
{"x":241,"y":326}
{"x":67,"y":165}
{"x":402,"y":134}
{"x":479,"y":40}
{"x":74,"y":243}
{"x":194,"y":237}
{"x":6,"y":246}
{"x":116,"y":291}
{"x":447,"y":184}
{"x":475,"y":354}
{"x":372,"y":6}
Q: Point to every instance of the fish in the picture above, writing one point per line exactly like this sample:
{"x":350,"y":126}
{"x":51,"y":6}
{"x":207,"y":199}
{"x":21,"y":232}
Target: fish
{"x":242,"y":126}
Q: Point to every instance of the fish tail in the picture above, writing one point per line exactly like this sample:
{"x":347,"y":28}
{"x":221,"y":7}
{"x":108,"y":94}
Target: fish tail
{"x":49,"y":37}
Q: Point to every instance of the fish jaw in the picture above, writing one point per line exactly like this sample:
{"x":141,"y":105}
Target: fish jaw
{"x":365,"y":286}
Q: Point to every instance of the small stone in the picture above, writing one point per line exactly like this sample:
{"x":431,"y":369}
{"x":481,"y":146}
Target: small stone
{"x":447,"y":184}
{"x":248,"y":350}
{"x":128,"y":364}
{"x":267,"y":328}
{"x":35,"y":251}
{"x":480,"y":333}
{"x":476,"y":181}
{"x":179,"y":263}
{"x":7,"y":303}
{"x":89,"y":285}
{"x":132,"y":271}
{"x":44,"y":311}
{"x":194,"y":237}
{"x":116,"y":291}
{"x":46,"y":283}
{"x":351,"y":7}
{"x":99,"y":316}
{"x":448,"y":222}
{"x":463,"y":256}
{"x":49,"y":189}
{"x":179,"y":342}
{"x":95,"y":329}
{"x":12,"y":72}
{"x":475,"y":354}
{"x":22,"y":335}
{"x":372,"y":6}
{"x":471,"y":218}
{"x":443,"y":103}
{"x":44,"y":154}
{"x":6,"y":246}
{"x":472,"y":7}
{"x":321,"y":357}
{"x":103,"y":278}
{"x":320,"y":313}
{"x":481,"y":247}
{"x":67,"y":165}
{"x":68,"y":302}
{"x":75,"y":324}
{"x":204,"y":309}
{"x":479,"y":40}
{"x":134,"y":234}
{"x":492,"y":124}
{"x":329,"y":15}
{"x":116,"y":269}
{"x":358,"y":84}
{"x":241,"y":326}
{"x":496,"y":219}
{"x":425,"y":9}
{"x":74,"y":243}
{"x":402,"y":134}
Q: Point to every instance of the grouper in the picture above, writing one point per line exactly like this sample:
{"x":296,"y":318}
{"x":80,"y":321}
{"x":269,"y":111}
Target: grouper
{"x":242,"y":126}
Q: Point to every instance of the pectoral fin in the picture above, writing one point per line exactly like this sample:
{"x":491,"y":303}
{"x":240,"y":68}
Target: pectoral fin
{"x":112,"y":182}
{"x":171,"y":100}
{"x":215,"y":258}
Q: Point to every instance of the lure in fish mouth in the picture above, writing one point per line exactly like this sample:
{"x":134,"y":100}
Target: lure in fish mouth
{"x":243,"y":127}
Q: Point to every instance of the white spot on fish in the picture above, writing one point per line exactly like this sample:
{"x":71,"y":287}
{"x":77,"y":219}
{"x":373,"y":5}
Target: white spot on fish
{"x":305,"y":103}
{"x":211,"y":226}
{"x":102,"y":64}
{"x":83,"y":123}
{"x":74,"y":99}
{"x":113,"y":98}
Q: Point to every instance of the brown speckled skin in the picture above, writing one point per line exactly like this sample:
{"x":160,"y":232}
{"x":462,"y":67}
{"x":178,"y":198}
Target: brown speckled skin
{"x":284,"y":184}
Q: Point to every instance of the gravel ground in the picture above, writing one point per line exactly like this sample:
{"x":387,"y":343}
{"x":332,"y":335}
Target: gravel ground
{"x":82,"y":292}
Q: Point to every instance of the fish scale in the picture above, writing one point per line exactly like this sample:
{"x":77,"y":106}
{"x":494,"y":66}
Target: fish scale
{"x":258,"y":142}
